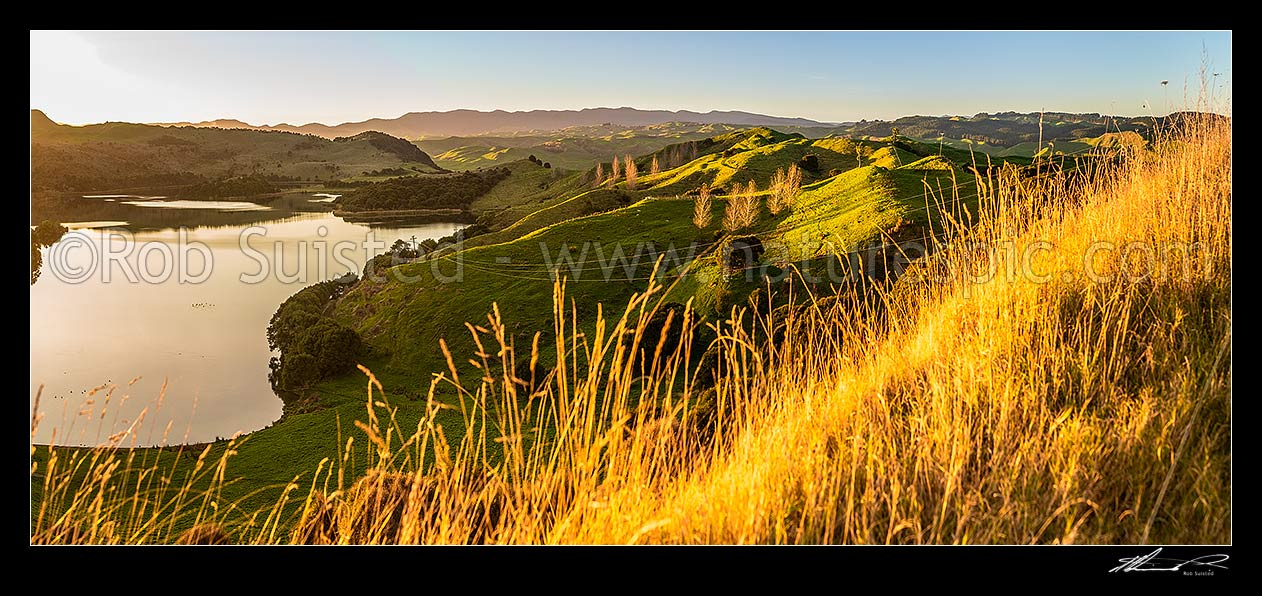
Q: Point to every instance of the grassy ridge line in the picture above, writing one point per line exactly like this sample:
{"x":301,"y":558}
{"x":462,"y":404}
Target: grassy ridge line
{"x":771,"y":150}
{"x":759,"y":152}
{"x":575,"y":149}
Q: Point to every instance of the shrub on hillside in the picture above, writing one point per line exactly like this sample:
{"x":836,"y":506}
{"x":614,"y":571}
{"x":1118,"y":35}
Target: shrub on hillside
{"x":742,"y":252}
{"x":388,"y":172}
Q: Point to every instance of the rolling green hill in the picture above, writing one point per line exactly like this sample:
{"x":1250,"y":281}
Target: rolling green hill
{"x":1005,"y":129}
{"x":857,"y":208}
{"x":117,"y":155}
{"x":574,"y":148}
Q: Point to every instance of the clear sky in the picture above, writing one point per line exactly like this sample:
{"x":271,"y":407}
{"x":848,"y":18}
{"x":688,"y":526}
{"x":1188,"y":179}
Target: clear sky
{"x":333,"y":77}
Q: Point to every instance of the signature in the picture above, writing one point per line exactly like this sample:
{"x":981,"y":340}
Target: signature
{"x":1151,"y":562}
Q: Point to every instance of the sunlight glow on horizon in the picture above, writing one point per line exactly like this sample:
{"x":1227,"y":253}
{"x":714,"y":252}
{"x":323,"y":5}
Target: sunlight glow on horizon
{"x":334,"y":77}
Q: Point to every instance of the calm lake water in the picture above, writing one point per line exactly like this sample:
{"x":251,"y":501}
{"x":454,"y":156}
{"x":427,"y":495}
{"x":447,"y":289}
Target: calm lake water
{"x":206,"y":340}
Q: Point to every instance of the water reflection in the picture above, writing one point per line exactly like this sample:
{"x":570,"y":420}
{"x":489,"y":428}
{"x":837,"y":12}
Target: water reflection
{"x":207,"y":340}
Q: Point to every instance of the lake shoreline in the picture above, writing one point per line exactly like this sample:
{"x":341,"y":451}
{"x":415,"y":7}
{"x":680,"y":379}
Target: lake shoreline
{"x":208,"y":338}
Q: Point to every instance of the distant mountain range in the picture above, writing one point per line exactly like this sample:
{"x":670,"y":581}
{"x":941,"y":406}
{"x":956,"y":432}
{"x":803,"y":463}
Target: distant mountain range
{"x":416,"y":125}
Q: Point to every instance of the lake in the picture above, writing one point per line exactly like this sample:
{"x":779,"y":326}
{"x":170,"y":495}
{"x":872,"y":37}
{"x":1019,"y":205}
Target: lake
{"x":202,"y":332}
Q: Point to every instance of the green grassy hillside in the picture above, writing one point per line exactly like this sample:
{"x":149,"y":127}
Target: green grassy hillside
{"x":1027,"y":149}
{"x":525,"y":190}
{"x":575,"y":148}
{"x":1006,"y":129}
{"x":857,"y":208}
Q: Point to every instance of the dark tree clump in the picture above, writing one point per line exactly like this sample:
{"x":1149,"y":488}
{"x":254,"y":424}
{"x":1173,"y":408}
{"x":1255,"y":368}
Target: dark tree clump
{"x":312,"y":345}
{"x":810,"y":163}
{"x":240,"y":186}
{"x":742,"y":252}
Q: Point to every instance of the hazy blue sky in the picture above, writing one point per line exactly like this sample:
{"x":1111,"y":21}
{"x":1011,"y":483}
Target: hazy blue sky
{"x":331,"y":77}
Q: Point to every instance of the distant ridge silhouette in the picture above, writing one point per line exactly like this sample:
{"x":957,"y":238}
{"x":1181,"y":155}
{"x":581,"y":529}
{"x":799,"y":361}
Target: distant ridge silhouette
{"x":474,"y":122}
